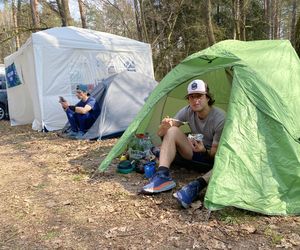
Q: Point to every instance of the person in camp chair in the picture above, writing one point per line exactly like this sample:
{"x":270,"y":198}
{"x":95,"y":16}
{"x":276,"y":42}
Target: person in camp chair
{"x":83,"y":115}
{"x":203,"y":119}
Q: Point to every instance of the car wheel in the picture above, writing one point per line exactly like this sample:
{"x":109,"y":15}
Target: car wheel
{"x":2,"y":112}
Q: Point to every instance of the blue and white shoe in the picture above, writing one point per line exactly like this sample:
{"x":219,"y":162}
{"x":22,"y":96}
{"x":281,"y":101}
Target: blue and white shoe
{"x":189,"y":193}
{"x":80,"y":135}
{"x":72,"y":134}
{"x":160,"y":182}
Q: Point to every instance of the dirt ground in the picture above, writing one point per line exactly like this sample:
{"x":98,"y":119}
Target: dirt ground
{"x":49,"y":201}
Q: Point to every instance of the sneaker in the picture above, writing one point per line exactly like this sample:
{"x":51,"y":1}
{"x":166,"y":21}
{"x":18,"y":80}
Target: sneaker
{"x":160,"y":182}
{"x":80,"y":135}
{"x":186,"y":195}
{"x":72,"y":134}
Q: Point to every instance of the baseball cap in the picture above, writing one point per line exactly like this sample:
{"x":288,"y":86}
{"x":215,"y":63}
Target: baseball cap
{"x":82,"y":87}
{"x":197,"y":86}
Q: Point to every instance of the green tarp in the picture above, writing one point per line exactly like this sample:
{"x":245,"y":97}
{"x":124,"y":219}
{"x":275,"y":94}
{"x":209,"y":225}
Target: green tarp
{"x":257,"y":166}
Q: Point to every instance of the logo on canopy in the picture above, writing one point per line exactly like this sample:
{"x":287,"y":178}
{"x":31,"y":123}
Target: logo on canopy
{"x":130,"y":65}
{"x":12,"y":77}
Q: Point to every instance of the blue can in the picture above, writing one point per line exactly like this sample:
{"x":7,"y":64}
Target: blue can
{"x":149,"y":169}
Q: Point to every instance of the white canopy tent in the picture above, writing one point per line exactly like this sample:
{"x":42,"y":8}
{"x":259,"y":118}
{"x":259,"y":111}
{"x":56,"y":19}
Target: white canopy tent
{"x":52,"y":62}
{"x":2,"y":69}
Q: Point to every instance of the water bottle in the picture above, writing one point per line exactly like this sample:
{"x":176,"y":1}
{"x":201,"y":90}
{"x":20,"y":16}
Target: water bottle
{"x":149,"y":169}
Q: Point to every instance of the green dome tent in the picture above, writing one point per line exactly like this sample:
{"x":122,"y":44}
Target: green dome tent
{"x":257,"y":166}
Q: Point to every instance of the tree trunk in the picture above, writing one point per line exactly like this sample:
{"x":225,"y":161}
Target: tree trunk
{"x":173,"y":23}
{"x":61,"y":13}
{"x":293,"y":23}
{"x":209,"y":26}
{"x":218,"y":14}
{"x":233,"y":16}
{"x":143,"y":23}
{"x":34,"y":13}
{"x":19,"y":10}
{"x":82,"y":13}
{"x":15,"y":24}
{"x":268,"y":18}
{"x":297,"y":37}
{"x":19,"y":17}
{"x":64,"y":11}
{"x":275,"y":19}
{"x":243,"y":19}
{"x":236,"y":19}
{"x":138,"y":20}
{"x":68,"y":18}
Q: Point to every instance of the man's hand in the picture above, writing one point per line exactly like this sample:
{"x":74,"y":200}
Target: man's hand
{"x":197,"y":146}
{"x":165,"y":124}
{"x":64,"y":105}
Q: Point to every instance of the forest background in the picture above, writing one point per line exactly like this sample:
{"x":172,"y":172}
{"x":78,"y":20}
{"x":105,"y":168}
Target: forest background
{"x":174,"y":28}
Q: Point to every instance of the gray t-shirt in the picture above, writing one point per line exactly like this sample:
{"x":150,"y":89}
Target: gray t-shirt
{"x":211,"y":127}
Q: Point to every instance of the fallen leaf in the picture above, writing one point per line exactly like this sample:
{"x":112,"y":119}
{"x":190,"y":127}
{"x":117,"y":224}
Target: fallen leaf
{"x":196,"y":205}
{"x":50,"y":204}
{"x":284,"y":244}
{"x":90,"y":220}
{"x":67,"y":202}
{"x":138,"y":215}
{"x":250,"y":229}
{"x":295,"y":239}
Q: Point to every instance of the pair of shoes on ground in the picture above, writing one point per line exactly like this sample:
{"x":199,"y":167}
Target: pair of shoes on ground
{"x":79,"y":135}
{"x":162,"y":181}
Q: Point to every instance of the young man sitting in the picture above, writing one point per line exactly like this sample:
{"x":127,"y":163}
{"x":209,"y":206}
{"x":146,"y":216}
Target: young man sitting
{"x":203,"y":119}
{"x":82,"y":115}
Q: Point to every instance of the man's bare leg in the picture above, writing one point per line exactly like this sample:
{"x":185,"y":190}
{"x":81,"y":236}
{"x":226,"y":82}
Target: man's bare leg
{"x":174,"y":140}
{"x":207,"y":175}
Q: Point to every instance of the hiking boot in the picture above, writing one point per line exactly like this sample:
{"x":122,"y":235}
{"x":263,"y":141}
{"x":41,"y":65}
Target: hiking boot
{"x":188,"y":193}
{"x":160,"y":182}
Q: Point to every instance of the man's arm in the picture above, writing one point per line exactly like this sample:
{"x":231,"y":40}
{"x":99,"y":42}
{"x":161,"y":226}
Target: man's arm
{"x":90,"y":104}
{"x":212,"y":152}
{"x":83,"y":110}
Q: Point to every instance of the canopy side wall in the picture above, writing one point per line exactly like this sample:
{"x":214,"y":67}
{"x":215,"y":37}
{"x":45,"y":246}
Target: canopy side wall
{"x":22,"y":108}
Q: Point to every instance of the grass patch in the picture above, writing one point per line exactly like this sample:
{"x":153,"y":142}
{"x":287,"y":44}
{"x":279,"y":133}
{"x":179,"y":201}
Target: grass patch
{"x":50,"y":235}
{"x":235,"y":216}
{"x":40,"y":186}
{"x":120,"y":194}
{"x":20,"y":215}
{"x":78,"y":177}
{"x":273,"y":235}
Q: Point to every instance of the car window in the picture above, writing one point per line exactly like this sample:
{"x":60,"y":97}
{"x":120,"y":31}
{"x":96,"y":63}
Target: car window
{"x":2,"y":82}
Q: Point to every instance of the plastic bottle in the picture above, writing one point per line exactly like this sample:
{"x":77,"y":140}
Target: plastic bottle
{"x":149,"y":169}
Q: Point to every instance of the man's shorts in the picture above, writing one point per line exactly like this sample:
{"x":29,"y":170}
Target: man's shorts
{"x":202,"y":158}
